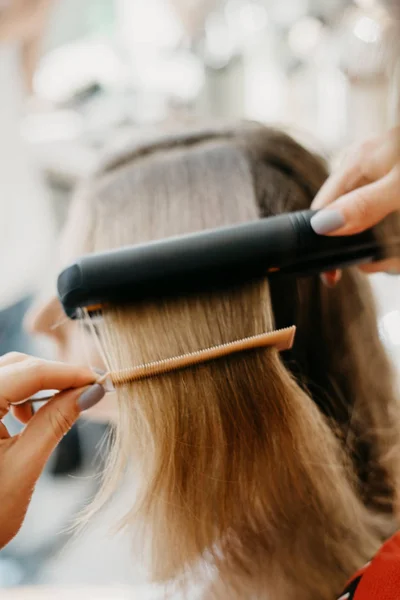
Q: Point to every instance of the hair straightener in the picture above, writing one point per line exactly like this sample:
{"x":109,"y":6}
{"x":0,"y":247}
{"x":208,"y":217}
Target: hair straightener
{"x":208,"y":260}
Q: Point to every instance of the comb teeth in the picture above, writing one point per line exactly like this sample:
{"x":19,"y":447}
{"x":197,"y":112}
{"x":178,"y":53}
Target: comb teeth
{"x":281,"y":339}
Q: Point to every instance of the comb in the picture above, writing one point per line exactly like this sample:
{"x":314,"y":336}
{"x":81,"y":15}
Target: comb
{"x":281,"y":339}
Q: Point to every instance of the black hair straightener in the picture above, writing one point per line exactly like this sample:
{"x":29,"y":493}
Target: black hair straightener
{"x":211,"y":259}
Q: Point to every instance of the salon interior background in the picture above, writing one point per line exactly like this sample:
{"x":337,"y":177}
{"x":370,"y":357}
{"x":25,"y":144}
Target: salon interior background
{"x":314,"y":65}
{"x":318,"y":67}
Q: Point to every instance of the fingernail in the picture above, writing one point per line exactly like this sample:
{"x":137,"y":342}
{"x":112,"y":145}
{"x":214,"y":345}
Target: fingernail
{"x":91,"y":396}
{"x":327,"y":221}
{"x":392,"y":272}
{"x":98,"y":371}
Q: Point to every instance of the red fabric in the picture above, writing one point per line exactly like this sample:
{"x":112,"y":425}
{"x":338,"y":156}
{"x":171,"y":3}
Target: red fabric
{"x":380,"y":579}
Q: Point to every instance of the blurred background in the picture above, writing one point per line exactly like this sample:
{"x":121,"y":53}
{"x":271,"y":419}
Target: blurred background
{"x":74,"y":76}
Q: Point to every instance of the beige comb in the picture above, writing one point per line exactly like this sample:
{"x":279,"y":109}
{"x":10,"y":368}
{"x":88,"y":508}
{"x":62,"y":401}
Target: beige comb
{"x":281,"y":339}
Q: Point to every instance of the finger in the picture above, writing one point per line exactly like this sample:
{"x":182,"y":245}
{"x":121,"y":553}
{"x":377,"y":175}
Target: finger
{"x":21,"y":380}
{"x":11,"y":358}
{"x":383,"y":159}
{"x":23,"y":412}
{"x":47,"y":427}
{"x":26,"y":412}
{"x":391,"y":266}
{"x":364,"y":164}
{"x":352,"y":173}
{"x":344,"y":180}
{"x":360,"y":209}
{"x":4,"y":435}
{"x":4,"y":407}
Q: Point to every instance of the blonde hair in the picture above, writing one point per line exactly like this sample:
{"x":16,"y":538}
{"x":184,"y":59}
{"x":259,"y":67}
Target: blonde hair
{"x":279,"y":474}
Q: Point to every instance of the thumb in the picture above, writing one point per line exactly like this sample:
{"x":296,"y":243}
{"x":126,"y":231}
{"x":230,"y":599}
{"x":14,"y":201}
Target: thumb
{"x":360,"y":209}
{"x":47,"y":427}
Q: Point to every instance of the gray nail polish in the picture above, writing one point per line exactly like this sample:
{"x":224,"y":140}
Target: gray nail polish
{"x":98,"y":371}
{"x":326,"y":221}
{"x":393,"y":272}
{"x":91,"y":396}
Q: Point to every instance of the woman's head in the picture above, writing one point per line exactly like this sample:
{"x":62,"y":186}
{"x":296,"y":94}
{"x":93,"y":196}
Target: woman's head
{"x":234,"y":459}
